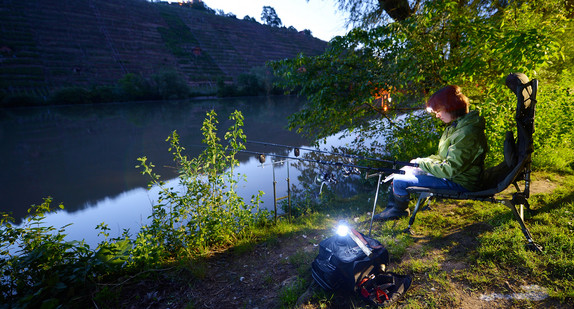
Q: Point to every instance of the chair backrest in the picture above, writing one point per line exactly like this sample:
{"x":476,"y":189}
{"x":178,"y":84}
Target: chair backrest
{"x":525,"y":91}
{"x":517,"y":152}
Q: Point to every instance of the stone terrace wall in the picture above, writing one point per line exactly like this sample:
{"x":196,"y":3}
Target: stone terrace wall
{"x":45,"y":45}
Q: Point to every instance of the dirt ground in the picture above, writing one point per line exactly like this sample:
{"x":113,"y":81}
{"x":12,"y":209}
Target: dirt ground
{"x":254,"y":278}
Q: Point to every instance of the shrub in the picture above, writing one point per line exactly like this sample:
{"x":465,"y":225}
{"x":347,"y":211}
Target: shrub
{"x":225,"y":89}
{"x":15,"y":100}
{"x":205,"y":210}
{"x":70,"y":95}
{"x":170,"y":85}
{"x":136,"y":87}
{"x":105,"y":93}
{"x":40,"y":268}
{"x":258,"y":81}
{"x":249,"y":85}
{"x":554,"y":135}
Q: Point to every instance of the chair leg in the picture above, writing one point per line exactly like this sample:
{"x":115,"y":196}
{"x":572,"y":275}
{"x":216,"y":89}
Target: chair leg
{"x":423,"y":197}
{"x":531,"y":245}
{"x":518,"y":198}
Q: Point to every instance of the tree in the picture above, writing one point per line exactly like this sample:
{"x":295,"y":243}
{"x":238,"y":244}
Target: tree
{"x":367,"y":14}
{"x":197,"y":5}
{"x":441,"y":42}
{"x":370,"y":13}
{"x":249,"y":18}
{"x":270,"y":18}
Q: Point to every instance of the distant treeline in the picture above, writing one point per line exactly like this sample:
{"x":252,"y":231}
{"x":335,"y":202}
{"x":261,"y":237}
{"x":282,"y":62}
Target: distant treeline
{"x":165,"y":85}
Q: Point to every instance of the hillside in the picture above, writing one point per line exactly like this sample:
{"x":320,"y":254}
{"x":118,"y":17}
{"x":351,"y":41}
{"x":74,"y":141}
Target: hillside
{"x":45,"y":45}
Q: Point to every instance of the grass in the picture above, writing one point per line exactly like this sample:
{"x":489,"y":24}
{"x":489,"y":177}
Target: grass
{"x":464,"y":249}
{"x":460,"y":251}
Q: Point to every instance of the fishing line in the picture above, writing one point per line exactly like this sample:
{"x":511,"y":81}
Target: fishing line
{"x":262,"y":157}
{"x":297,"y":153}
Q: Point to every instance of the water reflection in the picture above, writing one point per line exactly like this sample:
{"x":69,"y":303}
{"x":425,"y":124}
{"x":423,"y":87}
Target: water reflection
{"x":83,"y":156}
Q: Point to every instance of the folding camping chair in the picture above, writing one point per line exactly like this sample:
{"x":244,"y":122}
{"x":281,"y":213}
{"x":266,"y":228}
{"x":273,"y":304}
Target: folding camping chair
{"x":514,"y":169}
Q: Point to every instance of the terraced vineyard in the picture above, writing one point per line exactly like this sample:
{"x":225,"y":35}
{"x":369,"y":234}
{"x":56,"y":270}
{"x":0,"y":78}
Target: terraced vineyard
{"x":45,"y":45}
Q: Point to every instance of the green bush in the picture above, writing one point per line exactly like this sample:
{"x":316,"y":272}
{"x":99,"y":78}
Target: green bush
{"x":249,"y":85}
{"x":205,"y":210}
{"x":70,"y":95}
{"x":105,"y":94}
{"x":258,"y":81}
{"x":554,"y":135}
{"x":135,"y":87}
{"x":225,"y":89}
{"x":170,"y":85}
{"x":16,"y":100}
{"x":40,"y":268}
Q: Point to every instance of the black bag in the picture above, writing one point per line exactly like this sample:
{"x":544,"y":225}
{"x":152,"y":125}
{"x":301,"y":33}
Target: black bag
{"x":341,"y":263}
{"x":342,"y":266}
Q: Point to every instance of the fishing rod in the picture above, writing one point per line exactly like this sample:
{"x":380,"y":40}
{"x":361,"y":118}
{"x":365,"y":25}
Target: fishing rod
{"x":378,"y":170}
{"x":262,"y":157}
{"x":296,"y":151}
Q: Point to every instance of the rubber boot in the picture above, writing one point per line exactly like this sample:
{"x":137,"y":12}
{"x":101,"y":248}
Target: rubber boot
{"x":397,"y":207}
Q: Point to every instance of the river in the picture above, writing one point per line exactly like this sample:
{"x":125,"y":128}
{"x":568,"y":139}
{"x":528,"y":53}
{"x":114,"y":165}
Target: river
{"x":84,"y":156}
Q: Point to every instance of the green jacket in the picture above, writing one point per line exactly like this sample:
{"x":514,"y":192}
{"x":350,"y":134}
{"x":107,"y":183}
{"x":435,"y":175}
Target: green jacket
{"x":461,"y":152}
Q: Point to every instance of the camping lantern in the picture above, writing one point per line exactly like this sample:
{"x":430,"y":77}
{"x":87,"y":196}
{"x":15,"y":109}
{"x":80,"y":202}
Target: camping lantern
{"x":343,"y":230}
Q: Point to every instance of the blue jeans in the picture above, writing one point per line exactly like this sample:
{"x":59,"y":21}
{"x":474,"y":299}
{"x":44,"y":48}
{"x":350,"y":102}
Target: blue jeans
{"x":402,"y":182}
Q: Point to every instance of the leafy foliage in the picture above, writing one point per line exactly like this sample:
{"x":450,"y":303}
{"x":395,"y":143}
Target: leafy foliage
{"x":445,"y":42}
{"x":270,"y":17}
{"x":169,"y":84}
{"x":39,"y":267}
{"x":7,"y":100}
{"x":258,"y":81}
{"x":205,"y":210}
{"x":554,"y":137}
{"x":197,"y":5}
{"x":42,"y":269}
{"x":70,"y":95}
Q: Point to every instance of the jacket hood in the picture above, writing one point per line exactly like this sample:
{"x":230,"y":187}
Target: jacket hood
{"x":471,"y":119}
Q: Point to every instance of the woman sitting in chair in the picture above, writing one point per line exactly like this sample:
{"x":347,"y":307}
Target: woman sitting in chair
{"x":460,"y":159}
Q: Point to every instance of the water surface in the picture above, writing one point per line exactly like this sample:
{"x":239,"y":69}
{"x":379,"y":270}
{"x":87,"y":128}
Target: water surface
{"x":85,"y":156}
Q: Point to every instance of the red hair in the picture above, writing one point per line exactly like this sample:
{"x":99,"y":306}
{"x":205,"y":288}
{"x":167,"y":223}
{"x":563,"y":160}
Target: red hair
{"x":449,"y":99}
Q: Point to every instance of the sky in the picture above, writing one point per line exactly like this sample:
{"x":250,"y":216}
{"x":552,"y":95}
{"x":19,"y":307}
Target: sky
{"x":319,"y":16}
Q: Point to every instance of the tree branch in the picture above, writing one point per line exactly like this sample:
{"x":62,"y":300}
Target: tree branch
{"x":397,"y":9}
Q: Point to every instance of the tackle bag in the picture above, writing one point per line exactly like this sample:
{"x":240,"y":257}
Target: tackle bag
{"x":342,"y":266}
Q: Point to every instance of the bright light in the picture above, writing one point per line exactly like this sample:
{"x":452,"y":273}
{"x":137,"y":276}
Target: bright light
{"x":429,"y":110}
{"x":342,"y":230}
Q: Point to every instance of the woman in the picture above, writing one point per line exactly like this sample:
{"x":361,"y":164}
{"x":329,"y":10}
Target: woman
{"x":459,"y":162}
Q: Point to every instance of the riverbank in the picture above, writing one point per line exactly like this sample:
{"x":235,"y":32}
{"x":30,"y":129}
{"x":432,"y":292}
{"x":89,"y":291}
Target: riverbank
{"x":464,"y":255}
